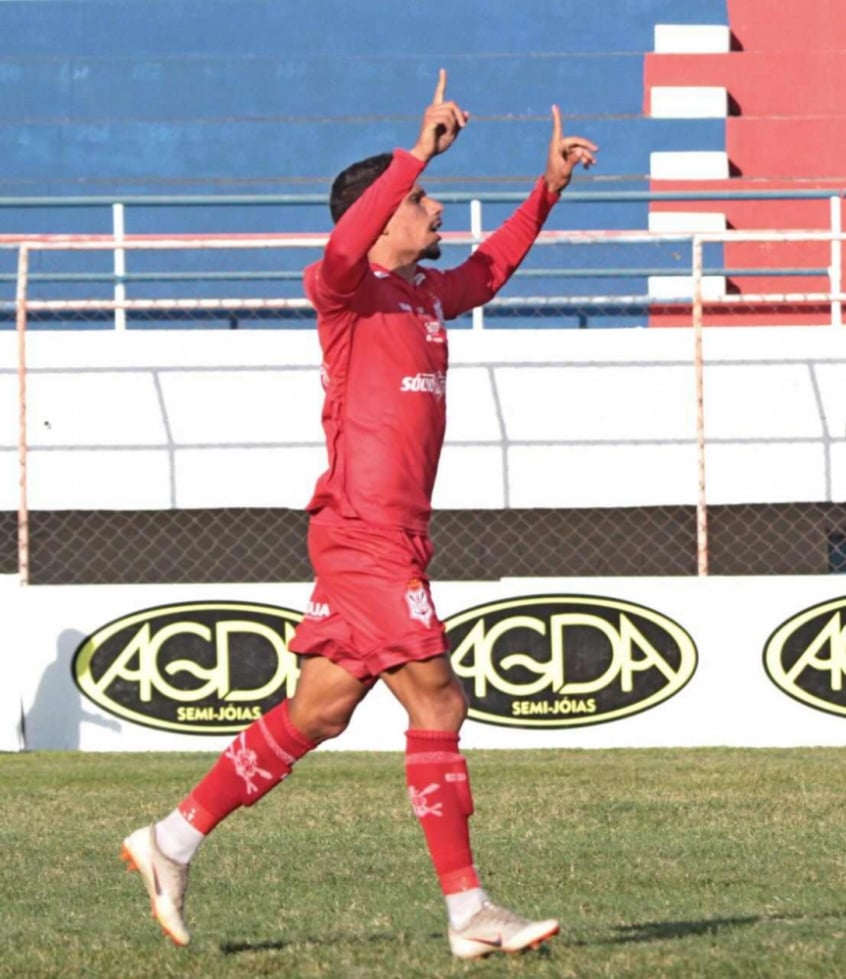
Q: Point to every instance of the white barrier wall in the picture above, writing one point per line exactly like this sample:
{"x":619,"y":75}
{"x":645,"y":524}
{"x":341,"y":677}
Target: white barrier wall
{"x":547,"y":418}
{"x":615,"y":662}
{"x":13,"y":664}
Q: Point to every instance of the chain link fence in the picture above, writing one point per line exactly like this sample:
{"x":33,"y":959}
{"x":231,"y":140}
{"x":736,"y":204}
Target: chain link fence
{"x":260,"y":545}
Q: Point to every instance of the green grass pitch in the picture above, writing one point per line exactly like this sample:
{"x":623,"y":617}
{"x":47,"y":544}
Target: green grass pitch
{"x":660,"y":863}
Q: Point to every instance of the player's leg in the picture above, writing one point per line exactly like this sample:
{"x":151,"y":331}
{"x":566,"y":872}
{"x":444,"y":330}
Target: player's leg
{"x":436,"y":772}
{"x":263,"y":755}
{"x":440,"y":794}
{"x":258,"y":759}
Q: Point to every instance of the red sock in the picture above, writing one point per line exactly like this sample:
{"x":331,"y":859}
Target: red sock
{"x":439,"y":789}
{"x":256,"y":761}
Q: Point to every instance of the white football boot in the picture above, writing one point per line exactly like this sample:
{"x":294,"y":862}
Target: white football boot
{"x":496,"y":929}
{"x":166,"y":881}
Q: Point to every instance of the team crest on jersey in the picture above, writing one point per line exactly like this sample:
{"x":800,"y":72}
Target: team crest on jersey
{"x":435,"y":330}
{"x":419,"y":606}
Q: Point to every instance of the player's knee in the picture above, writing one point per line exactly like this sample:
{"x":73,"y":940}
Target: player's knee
{"x":332,"y":725}
{"x":443,"y":709}
{"x":328,"y":720}
{"x":455,"y":703}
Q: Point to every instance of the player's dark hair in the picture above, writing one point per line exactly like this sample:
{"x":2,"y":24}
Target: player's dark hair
{"x":351,"y":183}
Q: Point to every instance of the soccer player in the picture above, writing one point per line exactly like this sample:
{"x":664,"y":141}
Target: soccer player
{"x":381,"y":327}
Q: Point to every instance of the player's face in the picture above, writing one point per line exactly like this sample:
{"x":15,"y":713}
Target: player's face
{"x":413,"y":229}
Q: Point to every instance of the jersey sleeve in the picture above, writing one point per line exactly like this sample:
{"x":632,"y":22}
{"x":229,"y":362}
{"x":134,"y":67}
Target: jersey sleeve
{"x":479,"y":279}
{"x":344,"y":262}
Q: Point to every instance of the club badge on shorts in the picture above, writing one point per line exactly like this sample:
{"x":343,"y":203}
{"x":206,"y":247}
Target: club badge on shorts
{"x":419,"y":606}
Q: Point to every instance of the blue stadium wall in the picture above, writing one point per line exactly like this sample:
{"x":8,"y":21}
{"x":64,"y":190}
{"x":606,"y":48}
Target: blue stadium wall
{"x":138,"y":97}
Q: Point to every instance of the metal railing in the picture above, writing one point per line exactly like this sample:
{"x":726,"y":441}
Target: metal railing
{"x":121,"y":244}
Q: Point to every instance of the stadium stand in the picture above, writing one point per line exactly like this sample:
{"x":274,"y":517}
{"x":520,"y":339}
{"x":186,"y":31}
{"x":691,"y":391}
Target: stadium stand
{"x":105,"y":100}
{"x":133,"y":99}
{"x":147,"y":97}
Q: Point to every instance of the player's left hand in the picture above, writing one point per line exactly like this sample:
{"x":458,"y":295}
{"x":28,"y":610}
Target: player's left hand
{"x":565,"y":154}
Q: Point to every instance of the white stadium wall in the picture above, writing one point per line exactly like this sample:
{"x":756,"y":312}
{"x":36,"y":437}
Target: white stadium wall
{"x":550,"y":419}
{"x":151,"y":420}
{"x":14,"y":664}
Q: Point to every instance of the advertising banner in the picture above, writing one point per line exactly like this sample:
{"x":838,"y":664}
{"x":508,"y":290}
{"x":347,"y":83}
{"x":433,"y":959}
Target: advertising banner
{"x":545,"y":663}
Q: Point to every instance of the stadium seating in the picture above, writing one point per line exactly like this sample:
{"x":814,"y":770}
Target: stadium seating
{"x":126,"y":98}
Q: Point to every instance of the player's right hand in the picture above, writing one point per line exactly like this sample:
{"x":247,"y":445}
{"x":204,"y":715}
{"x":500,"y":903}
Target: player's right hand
{"x":565,"y":154}
{"x":442,"y":122}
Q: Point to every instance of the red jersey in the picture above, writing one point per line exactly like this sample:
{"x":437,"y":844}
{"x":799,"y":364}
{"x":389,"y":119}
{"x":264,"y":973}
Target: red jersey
{"x":384,"y":347}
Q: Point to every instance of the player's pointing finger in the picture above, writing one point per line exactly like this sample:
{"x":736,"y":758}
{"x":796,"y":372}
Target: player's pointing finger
{"x":557,"y":132}
{"x":440,"y":88}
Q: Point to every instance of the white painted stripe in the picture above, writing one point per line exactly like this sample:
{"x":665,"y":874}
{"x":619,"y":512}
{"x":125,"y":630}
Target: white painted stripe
{"x":692,"y":39}
{"x":690,"y":165}
{"x":678,"y":286}
{"x":688,"y":102}
{"x":687,"y":221}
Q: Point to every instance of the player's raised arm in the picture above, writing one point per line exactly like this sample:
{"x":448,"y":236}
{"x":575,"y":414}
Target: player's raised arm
{"x":442,"y":121}
{"x":565,"y":154}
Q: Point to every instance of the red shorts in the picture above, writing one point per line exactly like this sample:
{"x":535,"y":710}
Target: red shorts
{"x":371,"y":607}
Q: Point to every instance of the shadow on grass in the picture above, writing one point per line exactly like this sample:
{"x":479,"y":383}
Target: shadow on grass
{"x":236,"y":948}
{"x":644,"y":931}
{"x":656,"y":931}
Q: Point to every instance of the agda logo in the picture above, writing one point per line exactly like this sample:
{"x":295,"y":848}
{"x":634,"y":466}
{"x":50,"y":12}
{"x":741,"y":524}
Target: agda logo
{"x":198,"y":668}
{"x":806,"y":656}
{"x":567,"y":660}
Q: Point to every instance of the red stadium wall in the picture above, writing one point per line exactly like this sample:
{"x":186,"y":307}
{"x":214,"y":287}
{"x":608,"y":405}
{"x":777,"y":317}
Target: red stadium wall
{"x":786,"y":130}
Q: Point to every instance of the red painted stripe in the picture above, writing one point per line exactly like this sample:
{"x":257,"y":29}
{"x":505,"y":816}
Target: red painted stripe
{"x":788,"y":83}
{"x":787,"y":131}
